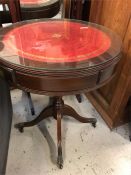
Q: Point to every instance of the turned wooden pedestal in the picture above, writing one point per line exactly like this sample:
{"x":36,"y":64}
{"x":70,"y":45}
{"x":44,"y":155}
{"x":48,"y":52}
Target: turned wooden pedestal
{"x":57,"y":109}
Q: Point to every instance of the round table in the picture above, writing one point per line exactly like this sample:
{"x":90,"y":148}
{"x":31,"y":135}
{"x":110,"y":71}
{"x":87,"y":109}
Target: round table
{"x":57,"y":58}
{"x":35,"y":9}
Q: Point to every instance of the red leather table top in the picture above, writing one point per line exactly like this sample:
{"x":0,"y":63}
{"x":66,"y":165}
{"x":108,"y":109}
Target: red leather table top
{"x":58,"y":44}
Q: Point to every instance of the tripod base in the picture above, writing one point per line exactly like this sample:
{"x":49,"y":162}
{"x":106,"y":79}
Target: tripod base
{"x":57,"y":109}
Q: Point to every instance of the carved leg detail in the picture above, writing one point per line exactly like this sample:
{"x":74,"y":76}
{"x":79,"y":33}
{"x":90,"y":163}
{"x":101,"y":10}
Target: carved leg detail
{"x":31,"y":106}
{"x":59,"y":158}
{"x":47,"y":112}
{"x":68,"y":110}
{"x":31,"y":103}
{"x":58,"y":108}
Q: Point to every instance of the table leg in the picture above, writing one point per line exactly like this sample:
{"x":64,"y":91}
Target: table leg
{"x":57,"y":109}
{"x":59,"y":158}
{"x":30,"y":103}
{"x":47,"y":112}
{"x":68,"y":110}
{"x":79,"y":98}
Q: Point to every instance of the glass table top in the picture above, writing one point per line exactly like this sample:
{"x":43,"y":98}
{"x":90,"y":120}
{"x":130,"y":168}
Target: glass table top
{"x":58,"y":44}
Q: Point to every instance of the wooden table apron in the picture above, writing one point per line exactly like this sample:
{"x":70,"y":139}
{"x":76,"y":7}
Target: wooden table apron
{"x":60,"y":83}
{"x":65,"y":76}
{"x":55,"y":78}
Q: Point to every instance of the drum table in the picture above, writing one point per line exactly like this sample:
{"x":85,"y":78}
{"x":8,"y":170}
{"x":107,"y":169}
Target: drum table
{"x":57,"y":58}
{"x":33,"y":9}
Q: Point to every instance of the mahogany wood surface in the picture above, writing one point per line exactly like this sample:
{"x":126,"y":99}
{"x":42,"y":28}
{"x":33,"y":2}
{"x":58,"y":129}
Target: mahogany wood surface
{"x":66,"y":8}
{"x":112,"y":99}
{"x":75,"y":9}
{"x":14,"y":14}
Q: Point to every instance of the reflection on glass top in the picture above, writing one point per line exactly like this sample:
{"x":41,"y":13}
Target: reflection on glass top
{"x":33,"y":1}
{"x":58,"y":44}
{"x":36,"y":3}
